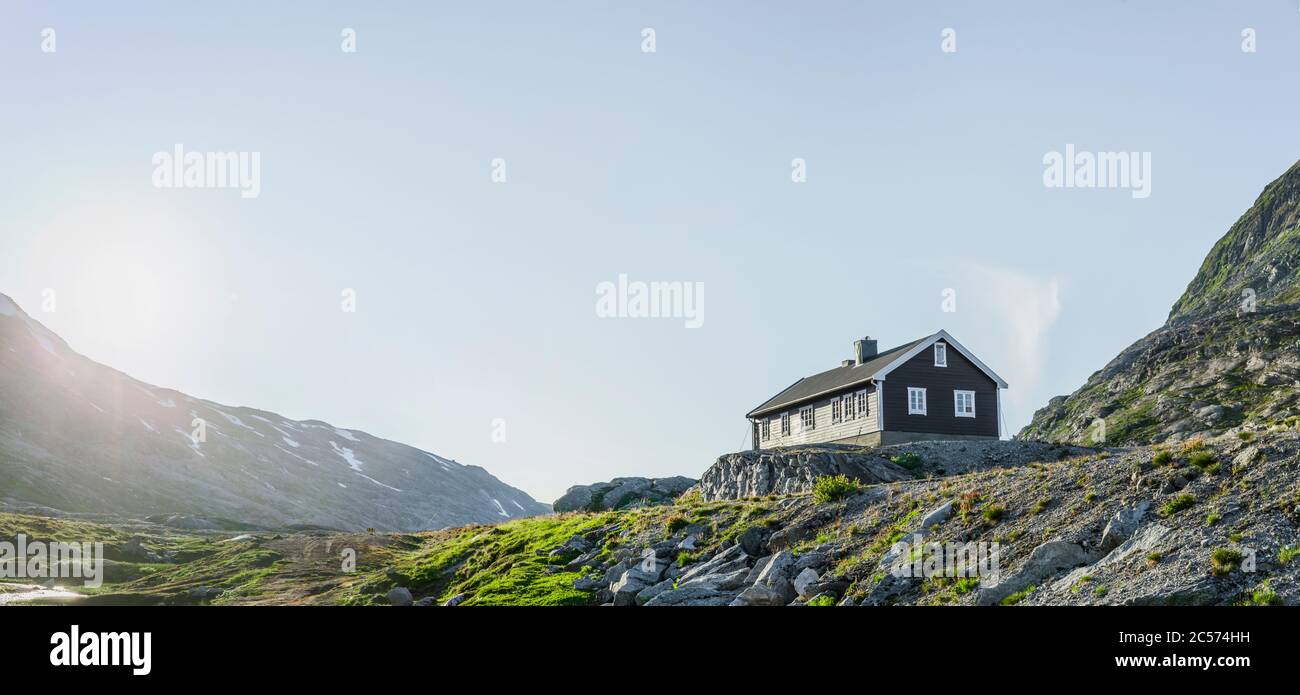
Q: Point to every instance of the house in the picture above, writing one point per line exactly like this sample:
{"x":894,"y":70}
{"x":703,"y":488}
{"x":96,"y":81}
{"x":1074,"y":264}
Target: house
{"x":930,"y":388}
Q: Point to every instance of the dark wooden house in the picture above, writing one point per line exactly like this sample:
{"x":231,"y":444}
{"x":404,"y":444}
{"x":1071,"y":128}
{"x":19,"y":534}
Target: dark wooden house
{"x":930,"y":388}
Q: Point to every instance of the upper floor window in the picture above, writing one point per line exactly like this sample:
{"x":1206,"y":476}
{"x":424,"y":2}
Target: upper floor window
{"x":767,"y":429}
{"x":940,"y":355}
{"x":837,"y":410}
{"x":808,"y":418}
{"x":850,"y":412}
{"x":861,"y":397}
{"x":785,"y":424}
{"x":964,"y":403}
{"x":915,"y":401}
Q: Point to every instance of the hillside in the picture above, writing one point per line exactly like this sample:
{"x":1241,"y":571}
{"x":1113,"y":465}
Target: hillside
{"x":1203,"y":523}
{"x":77,"y":436}
{"x":1226,"y":360}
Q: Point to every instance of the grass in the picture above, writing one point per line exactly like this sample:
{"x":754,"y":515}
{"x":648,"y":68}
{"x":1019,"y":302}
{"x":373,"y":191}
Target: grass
{"x":675,"y":523}
{"x":1100,"y":591}
{"x":1162,"y":458}
{"x":831,"y":488}
{"x":1154,"y":559}
{"x":1177,"y":504}
{"x":1224,"y":560}
{"x":1213,"y":517}
{"x":822,"y":600}
{"x":1264,"y":596}
{"x":1040,"y":505}
{"x":1204,"y":461}
{"x":1019,"y":596}
{"x":1287,"y":554}
{"x":994,"y":513}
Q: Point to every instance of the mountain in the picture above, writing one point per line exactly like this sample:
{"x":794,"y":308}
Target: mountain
{"x":80,"y":437}
{"x":1227,"y":358}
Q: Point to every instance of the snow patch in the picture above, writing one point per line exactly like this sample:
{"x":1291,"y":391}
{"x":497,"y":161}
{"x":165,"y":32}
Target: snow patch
{"x":296,"y":456}
{"x":342,"y":485}
{"x":376,"y":482}
{"x":500,"y":510}
{"x":521,"y":507}
{"x":290,"y":442}
{"x":189,"y":439}
{"x":234,"y":420}
{"x":168,"y":403}
{"x":147,"y":425}
{"x":346,"y":435}
{"x":346,"y":454}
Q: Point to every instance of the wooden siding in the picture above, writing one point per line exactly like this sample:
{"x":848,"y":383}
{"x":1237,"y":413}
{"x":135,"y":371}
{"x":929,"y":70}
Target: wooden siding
{"x":825,"y":430}
{"x":939,"y":383}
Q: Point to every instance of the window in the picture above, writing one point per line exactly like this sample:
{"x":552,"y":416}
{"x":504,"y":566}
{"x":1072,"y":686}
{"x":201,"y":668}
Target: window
{"x":940,"y":355}
{"x":862,"y":403}
{"x":837,"y":410}
{"x":808,"y":418}
{"x":964,"y":403}
{"x":850,"y":412}
{"x":785,"y":424}
{"x":915,"y":401}
{"x":767,"y":429}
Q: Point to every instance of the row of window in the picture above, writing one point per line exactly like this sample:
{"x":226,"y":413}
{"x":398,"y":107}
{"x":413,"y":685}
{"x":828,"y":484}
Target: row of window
{"x":850,"y":406}
{"x":963,"y":402}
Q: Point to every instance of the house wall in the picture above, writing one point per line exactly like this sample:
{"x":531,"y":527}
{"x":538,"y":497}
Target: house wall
{"x":940,"y":382}
{"x":825,"y":430}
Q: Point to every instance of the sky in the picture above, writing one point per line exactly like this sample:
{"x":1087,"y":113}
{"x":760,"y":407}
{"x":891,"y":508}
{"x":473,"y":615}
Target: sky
{"x":476,"y":333}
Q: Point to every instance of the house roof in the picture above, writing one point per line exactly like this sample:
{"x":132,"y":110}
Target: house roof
{"x":831,"y":380}
{"x":876,"y":368}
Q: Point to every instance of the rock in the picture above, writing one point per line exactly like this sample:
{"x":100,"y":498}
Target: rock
{"x":692,"y":596}
{"x":400,"y":596}
{"x":729,"y":560}
{"x":754,"y":541}
{"x":1044,"y":561}
{"x":804,"y":581}
{"x":761,"y":595}
{"x":728,"y":581}
{"x":588,"y":584}
{"x":688,"y":543}
{"x":1246,"y":457}
{"x":622,"y":493}
{"x":937,"y":515}
{"x":652,"y":591}
{"x":1123,"y":524}
{"x":774,"y":575}
{"x":456,"y":600}
{"x":812,"y":559}
{"x":426,"y":601}
{"x":204,"y":593}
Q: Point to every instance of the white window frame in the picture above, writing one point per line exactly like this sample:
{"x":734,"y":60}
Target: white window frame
{"x":940,"y":355}
{"x":785,"y":424}
{"x":849,"y":407}
{"x":808,"y":418}
{"x":957,"y":408}
{"x":912,"y":403}
{"x":766,"y":429}
{"x":862,"y":403}
{"x":837,"y":411}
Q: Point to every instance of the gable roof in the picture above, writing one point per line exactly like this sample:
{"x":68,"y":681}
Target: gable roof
{"x":877,"y":368}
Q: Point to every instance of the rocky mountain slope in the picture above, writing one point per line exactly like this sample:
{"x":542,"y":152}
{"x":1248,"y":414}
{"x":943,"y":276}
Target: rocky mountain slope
{"x":1228,"y":357}
{"x":1206,"y":522}
{"x":81,"y":437}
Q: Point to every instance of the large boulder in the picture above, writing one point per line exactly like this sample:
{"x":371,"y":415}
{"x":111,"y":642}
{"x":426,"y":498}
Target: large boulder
{"x":621,"y":493}
{"x":1123,"y":524}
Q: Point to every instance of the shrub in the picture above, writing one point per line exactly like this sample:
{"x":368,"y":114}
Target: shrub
{"x":1154,"y":559}
{"x":994,"y":513}
{"x":675,"y":523}
{"x":1287,"y":554}
{"x":1224,"y":560}
{"x":1264,"y":596}
{"x":1162,"y":458}
{"x":908,"y":460}
{"x":1191,"y":445}
{"x":1100,"y":591}
{"x":1177,"y":504}
{"x":1204,"y":462}
{"x":1040,"y":505}
{"x":965,"y":585}
{"x":822,"y":600}
{"x":1213,"y":517}
{"x":1090,"y":497}
{"x":830,"y":488}
{"x":1246,"y":436}
{"x":967,"y":503}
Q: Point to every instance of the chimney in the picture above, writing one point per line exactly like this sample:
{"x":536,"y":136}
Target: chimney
{"x":864,"y":349}
{"x":846,"y":363}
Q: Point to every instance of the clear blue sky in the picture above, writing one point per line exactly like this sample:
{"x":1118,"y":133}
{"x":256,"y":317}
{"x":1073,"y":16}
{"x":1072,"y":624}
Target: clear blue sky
{"x":476,"y":300}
